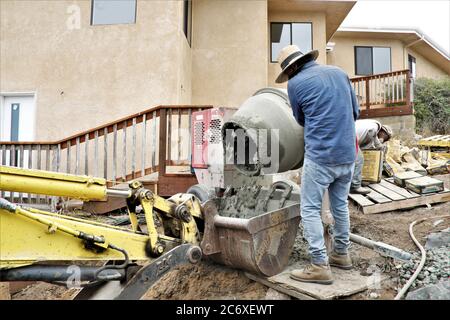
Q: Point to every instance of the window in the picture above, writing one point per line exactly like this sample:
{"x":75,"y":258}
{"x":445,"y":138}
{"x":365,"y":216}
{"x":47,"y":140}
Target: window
{"x":187,"y":20}
{"x":412,"y":65}
{"x":113,"y":12}
{"x":372,"y":60}
{"x":283,"y":34}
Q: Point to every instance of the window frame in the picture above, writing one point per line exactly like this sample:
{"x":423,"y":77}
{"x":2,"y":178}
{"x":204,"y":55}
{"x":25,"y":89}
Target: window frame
{"x":412,"y":59}
{"x":187,"y":5}
{"x":112,"y":24}
{"x":290,"y":34}
{"x":371,"y":47}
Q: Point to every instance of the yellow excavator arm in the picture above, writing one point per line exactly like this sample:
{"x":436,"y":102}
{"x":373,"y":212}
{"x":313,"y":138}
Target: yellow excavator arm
{"x":31,"y":236}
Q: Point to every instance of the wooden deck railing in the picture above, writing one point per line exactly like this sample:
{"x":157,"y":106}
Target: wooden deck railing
{"x":155,"y":140}
{"x":385,"y":94}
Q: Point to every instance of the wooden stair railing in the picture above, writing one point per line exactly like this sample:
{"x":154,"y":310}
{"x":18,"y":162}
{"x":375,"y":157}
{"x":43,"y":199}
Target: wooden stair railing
{"x":157,"y":140}
{"x":385,"y":94}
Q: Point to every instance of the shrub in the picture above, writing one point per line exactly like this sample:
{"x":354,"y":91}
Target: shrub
{"x":432,"y":106}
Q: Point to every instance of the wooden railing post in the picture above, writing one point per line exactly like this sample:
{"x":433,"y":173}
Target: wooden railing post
{"x":367,"y":95}
{"x":408,"y":92}
{"x":162,"y":141}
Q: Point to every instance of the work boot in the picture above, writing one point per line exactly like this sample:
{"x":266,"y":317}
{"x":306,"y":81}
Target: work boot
{"x":313,"y":273}
{"x":341,"y":261}
{"x":360,"y":190}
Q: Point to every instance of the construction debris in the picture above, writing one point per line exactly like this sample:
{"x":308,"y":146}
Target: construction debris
{"x":438,"y":291}
{"x":400,"y":158}
{"x":436,"y":267}
{"x":438,"y":145}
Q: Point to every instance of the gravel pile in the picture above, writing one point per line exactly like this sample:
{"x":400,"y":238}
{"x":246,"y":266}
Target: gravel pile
{"x":300,"y":248}
{"x":436,"y":268}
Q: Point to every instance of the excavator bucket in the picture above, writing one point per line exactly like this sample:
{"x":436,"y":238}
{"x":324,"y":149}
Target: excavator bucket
{"x":259,"y":235}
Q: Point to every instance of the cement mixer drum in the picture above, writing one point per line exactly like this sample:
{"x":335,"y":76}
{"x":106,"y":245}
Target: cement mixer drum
{"x":262,"y":136}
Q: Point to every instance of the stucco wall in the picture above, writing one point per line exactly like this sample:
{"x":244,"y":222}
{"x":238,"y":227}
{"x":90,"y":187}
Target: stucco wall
{"x":319,"y":37}
{"x":424,"y":68}
{"x":343,"y":54}
{"x":95,"y":74}
{"x":229,"y":53}
{"x":404,"y":127}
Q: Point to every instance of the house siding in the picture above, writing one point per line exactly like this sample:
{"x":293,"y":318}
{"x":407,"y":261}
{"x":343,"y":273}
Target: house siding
{"x":343,"y":56}
{"x":92,"y":75}
{"x":318,"y":21}
{"x":229,"y":56}
{"x":424,"y":68}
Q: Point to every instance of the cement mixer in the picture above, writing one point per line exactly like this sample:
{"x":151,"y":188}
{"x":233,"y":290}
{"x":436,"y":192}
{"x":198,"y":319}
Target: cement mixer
{"x":266,"y":120}
{"x":251,"y":218}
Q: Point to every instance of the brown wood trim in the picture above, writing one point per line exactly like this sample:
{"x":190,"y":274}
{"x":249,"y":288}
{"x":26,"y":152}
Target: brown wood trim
{"x":386,"y":112}
{"x":32,"y":143}
{"x":380,"y":75}
{"x":162,"y":140}
{"x":404,"y":102}
{"x":178,"y":175}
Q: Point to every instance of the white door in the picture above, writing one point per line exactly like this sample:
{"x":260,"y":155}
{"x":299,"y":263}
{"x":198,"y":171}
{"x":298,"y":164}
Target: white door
{"x":17,"y":123}
{"x":18,"y":119}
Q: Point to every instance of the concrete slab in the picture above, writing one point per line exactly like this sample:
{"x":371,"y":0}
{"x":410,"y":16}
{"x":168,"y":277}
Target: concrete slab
{"x":345,"y":283}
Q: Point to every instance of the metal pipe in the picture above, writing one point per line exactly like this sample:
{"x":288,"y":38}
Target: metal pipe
{"x":118,"y":193}
{"x":52,"y":273}
{"x":382,"y":248}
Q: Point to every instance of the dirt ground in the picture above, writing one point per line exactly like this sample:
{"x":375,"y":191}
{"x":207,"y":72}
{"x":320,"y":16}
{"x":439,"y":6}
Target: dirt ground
{"x":211,"y":281}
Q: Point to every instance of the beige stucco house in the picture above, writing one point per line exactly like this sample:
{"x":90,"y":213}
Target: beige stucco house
{"x":71,"y":65}
{"x":363,"y":52}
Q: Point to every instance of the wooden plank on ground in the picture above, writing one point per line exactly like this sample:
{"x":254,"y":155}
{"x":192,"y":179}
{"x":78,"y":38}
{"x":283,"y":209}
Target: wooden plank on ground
{"x":360,"y":200}
{"x":408,"y":203}
{"x":401,"y":191}
{"x":346,"y":283}
{"x":386,"y":192}
{"x":278,"y":287}
{"x":377,"y":197}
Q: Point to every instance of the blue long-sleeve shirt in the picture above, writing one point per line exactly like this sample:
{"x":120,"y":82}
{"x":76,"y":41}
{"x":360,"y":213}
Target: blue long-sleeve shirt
{"x":324,"y":103}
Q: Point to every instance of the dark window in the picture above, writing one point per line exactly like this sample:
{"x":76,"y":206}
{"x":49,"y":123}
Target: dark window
{"x":283,"y":34}
{"x":372,"y":60}
{"x":187,"y":20}
{"x":113,"y":12}
{"x":412,"y":65}
{"x":364,"y":60}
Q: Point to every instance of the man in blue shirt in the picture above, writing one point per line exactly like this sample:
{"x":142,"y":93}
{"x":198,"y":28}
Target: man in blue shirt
{"x":324,"y":103}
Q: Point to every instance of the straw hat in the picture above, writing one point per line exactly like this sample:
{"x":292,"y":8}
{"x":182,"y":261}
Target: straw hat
{"x":290,"y":55}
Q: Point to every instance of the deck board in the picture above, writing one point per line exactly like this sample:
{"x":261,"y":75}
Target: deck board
{"x":386,"y":192}
{"x":401,"y":191}
{"x":360,"y":199}
{"x":404,"y":199}
{"x":377,"y":197}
